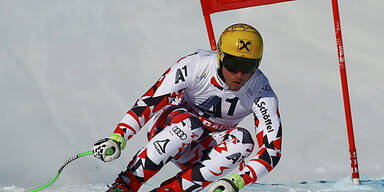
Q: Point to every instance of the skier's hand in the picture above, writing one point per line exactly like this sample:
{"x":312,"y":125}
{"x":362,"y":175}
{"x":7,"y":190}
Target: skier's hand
{"x":232,"y":184}
{"x":109,"y":149}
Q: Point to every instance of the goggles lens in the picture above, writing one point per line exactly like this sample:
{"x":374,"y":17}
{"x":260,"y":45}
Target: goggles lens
{"x":237,"y":64}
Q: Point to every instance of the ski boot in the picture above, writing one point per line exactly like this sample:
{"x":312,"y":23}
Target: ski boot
{"x":119,"y":187}
{"x":125,"y":182}
{"x":171,"y":185}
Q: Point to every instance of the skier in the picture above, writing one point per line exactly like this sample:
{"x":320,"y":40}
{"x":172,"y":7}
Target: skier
{"x":194,"y":109}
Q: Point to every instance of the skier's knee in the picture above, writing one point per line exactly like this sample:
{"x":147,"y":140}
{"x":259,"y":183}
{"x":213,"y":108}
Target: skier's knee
{"x":195,"y":122}
{"x":184,"y":117}
{"x":245,"y":136}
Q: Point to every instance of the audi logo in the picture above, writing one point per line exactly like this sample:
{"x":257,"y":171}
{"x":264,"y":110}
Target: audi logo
{"x":180,"y":133}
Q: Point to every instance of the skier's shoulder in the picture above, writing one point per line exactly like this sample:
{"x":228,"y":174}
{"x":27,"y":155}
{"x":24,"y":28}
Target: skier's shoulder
{"x":198,"y":56}
{"x":259,"y":83}
{"x":206,"y":54}
{"x":207,"y":59}
{"x":199,"y":61}
{"x":258,"y":78}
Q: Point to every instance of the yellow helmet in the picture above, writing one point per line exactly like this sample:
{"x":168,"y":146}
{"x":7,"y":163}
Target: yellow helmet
{"x":240,"y":48}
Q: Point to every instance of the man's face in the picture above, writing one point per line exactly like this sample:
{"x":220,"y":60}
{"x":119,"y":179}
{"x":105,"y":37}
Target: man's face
{"x":235,"y":80}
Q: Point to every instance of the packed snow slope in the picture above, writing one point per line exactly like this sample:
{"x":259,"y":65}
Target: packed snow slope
{"x":69,"y":70}
{"x":340,"y":185}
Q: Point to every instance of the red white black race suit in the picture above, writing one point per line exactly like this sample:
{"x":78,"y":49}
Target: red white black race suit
{"x":194,"y":125}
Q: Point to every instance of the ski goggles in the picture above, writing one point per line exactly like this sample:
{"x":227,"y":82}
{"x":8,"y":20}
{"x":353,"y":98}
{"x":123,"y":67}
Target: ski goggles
{"x":238,"y":64}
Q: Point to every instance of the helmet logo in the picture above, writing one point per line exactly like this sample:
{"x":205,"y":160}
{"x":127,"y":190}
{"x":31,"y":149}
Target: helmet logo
{"x":244,"y":46}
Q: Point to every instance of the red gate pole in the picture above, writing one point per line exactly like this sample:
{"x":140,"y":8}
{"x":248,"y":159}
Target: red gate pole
{"x":344,"y":84}
{"x":213,"y":6}
{"x":211,"y":35}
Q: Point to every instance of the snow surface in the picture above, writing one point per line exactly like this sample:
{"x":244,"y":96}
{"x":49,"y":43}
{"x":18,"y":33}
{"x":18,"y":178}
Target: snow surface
{"x":341,"y":185}
{"x":69,"y":70}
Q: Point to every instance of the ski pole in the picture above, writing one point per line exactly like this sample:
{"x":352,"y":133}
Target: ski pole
{"x":61,"y":169}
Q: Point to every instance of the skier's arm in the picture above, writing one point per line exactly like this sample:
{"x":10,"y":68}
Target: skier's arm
{"x":269,"y":137}
{"x":166,"y":90}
